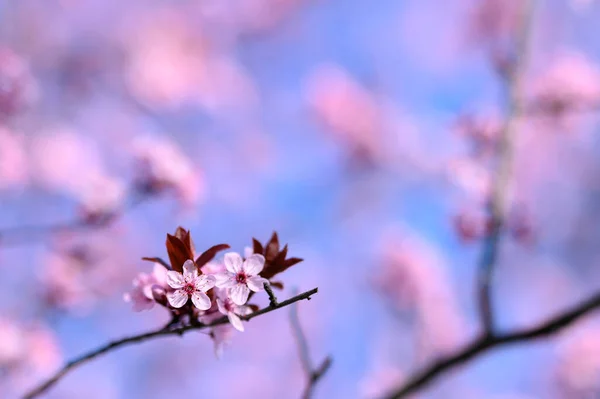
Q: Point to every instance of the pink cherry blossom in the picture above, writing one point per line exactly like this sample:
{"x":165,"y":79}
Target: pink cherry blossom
{"x":242,"y":276}
{"x":189,"y":285}
{"x":162,"y":166}
{"x":141,"y":295}
{"x":232,"y":311}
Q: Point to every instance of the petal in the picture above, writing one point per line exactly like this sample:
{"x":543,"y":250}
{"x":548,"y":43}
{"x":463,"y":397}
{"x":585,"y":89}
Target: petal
{"x":254,"y":264}
{"x":257,"y":283}
{"x":239,"y":294}
{"x":190,"y":271}
{"x":201,"y":300}
{"x":233,"y":262}
{"x":178,"y":298}
{"x":235,"y":321}
{"x":160,"y":274}
{"x":204,"y":283}
{"x":221,"y":306}
{"x":224,"y":280}
{"x":175,"y":279}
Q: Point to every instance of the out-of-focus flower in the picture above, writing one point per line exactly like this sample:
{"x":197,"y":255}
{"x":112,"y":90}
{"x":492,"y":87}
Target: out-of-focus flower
{"x":189,"y":285}
{"x":27,"y":352}
{"x":347,"y":109}
{"x":101,"y":196}
{"x":578,"y":368}
{"x":13,"y":161}
{"x":472,"y":223}
{"x":232,"y":311}
{"x":570,"y":82}
{"x":482,"y":130}
{"x":142,"y":295}
{"x":221,"y":336}
{"x":162,"y":166}
{"x":242,"y":276}
{"x":471,"y":177}
{"x":413,"y":280}
{"x":17,"y":87}
{"x":381,"y":383}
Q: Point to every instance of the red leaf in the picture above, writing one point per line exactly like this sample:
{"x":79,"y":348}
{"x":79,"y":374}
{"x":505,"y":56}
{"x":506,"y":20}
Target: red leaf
{"x":178,"y":252}
{"x":257,"y":246}
{"x":253,"y":307}
{"x":272,"y":247}
{"x":276,"y":284}
{"x":210,"y":253}
{"x":280,"y":258}
{"x":291,"y":262}
{"x":158,"y":260}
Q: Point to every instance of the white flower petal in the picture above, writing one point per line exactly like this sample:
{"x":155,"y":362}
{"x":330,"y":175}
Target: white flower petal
{"x":257,"y":283}
{"x":204,"y":282}
{"x":224,"y":280}
{"x":233,"y":262}
{"x":160,"y":274}
{"x":201,"y":300}
{"x":175,"y":279}
{"x":221,"y":306}
{"x":190,"y":271}
{"x":254,"y":264}
{"x":178,"y":298}
{"x":248,"y":251}
{"x":239,"y":294}
{"x":235,"y":321}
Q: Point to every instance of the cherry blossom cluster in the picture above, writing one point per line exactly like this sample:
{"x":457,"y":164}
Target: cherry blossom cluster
{"x":195,"y":288}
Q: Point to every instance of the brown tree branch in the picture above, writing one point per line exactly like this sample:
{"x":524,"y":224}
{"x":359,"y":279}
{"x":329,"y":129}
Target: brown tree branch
{"x":501,"y":181}
{"x":312,"y":374}
{"x":485,"y":343}
{"x":166,"y":331}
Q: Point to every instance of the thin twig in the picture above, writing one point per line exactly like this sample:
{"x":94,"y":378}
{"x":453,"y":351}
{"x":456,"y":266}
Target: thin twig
{"x":166,"y":331}
{"x":502,"y":178}
{"x":272,"y":297}
{"x":483,"y":344}
{"x":313,"y":375}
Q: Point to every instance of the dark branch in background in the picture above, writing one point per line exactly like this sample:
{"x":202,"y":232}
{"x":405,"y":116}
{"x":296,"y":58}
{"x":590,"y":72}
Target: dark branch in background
{"x":312,"y":374}
{"x":166,"y":331}
{"x":24,"y":235}
{"x":486,"y":343}
{"x":501,"y":180}
{"x":497,"y":208}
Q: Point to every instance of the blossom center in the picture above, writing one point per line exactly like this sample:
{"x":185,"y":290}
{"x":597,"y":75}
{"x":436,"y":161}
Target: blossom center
{"x":241,"y":278}
{"x":189,"y":288}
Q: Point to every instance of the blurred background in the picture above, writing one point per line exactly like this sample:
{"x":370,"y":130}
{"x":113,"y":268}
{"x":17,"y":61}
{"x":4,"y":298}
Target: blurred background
{"x":361,"y":131}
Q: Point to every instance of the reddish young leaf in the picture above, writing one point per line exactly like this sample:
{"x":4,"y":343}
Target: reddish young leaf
{"x":178,"y":252}
{"x":158,"y":260}
{"x":276,"y":284}
{"x":257,"y":246}
{"x":253,"y":307}
{"x":291,"y":262}
{"x":272,"y":248}
{"x":280,"y":258}
{"x":210,"y":253}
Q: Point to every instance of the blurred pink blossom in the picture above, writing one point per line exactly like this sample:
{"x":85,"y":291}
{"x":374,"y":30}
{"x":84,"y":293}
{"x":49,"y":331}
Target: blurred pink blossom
{"x":346,"y":108}
{"x":570,"y":81}
{"x":471,"y":177}
{"x":413,"y":278}
{"x":578,"y":368}
{"x":13,"y":159}
{"x":27,"y":352}
{"x":162,"y":166}
{"x":17,"y":87}
{"x":231,"y":310}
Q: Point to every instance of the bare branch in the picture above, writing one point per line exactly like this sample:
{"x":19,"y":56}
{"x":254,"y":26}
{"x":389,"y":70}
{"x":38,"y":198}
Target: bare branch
{"x":313,"y":375}
{"x":501,"y":180}
{"x":484,"y":344}
{"x":166,"y":331}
